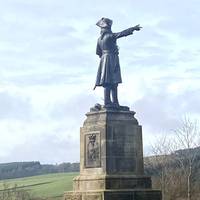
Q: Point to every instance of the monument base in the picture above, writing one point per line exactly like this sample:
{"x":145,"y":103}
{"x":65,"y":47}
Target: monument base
{"x":140,"y":194}
{"x":111,"y":158}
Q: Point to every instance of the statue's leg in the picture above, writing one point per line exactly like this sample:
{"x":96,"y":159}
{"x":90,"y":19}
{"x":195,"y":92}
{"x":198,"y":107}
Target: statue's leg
{"x":114,"y":95}
{"x":107,"y":100}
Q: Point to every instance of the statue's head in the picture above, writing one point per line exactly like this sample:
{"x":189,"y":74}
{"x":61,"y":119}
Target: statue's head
{"x":104,"y":23}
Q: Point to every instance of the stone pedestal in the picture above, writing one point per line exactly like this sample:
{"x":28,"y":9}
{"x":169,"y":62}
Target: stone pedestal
{"x":111,"y":159}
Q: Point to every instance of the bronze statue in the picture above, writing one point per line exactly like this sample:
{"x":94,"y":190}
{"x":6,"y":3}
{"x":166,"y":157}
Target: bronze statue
{"x":109,"y":75}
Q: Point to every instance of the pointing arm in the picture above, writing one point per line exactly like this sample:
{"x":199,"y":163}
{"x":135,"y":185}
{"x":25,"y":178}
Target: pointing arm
{"x":127,"y":32}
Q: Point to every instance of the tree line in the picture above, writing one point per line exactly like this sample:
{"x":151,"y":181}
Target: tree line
{"x":24,"y":169}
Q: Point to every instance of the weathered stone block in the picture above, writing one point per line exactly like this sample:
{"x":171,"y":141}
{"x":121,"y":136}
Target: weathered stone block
{"x":102,"y":182}
{"x":111,"y":141}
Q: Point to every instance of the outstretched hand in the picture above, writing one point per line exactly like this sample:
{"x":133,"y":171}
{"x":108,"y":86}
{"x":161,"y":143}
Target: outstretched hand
{"x":137,"y":27}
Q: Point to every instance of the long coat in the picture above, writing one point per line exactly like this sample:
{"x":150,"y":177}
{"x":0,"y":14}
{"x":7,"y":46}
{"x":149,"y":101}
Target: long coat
{"x":109,"y":68}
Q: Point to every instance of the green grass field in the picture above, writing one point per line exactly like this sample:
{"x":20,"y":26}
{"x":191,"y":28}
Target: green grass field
{"x":51,"y":186}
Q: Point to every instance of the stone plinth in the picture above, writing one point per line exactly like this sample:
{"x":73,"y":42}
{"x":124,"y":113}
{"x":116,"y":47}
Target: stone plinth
{"x":114,"y":195}
{"x":111,"y":159}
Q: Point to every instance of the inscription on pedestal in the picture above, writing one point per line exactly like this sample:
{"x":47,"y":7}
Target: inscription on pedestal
{"x":92,"y":149}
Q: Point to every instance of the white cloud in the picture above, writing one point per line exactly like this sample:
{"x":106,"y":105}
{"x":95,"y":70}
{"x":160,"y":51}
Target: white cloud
{"x":48,"y":67}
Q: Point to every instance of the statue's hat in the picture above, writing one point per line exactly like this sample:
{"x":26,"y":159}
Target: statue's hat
{"x":104,"y":23}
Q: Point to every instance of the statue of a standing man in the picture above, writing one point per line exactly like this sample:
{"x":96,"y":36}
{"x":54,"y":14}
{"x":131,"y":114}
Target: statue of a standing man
{"x":109,"y":75}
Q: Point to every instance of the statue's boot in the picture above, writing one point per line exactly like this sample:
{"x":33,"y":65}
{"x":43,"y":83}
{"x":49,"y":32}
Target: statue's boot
{"x":115,"y":96}
{"x":107,"y":100}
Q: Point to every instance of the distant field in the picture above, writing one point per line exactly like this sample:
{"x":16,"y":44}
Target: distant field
{"x":51,"y":186}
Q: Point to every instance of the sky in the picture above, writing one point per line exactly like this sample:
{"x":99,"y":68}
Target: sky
{"x":48,"y":68}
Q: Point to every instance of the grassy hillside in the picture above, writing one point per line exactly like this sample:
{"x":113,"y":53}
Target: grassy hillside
{"x":51,"y":186}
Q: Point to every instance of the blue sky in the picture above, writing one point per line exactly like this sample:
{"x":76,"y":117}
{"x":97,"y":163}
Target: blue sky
{"x":48,"y":68}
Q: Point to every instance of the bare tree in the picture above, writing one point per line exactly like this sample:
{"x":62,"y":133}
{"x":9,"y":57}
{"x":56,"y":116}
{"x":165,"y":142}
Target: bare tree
{"x":187,"y":139}
{"x":173,"y":161}
{"x":159,"y":164}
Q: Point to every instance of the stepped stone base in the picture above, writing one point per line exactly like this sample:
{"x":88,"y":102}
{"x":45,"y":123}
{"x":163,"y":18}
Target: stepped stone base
{"x":101,"y":182}
{"x":114,"y":195}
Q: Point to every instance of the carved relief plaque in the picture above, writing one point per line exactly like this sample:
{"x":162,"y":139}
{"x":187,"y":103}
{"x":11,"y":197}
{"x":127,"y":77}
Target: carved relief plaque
{"x":92,"y":149}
